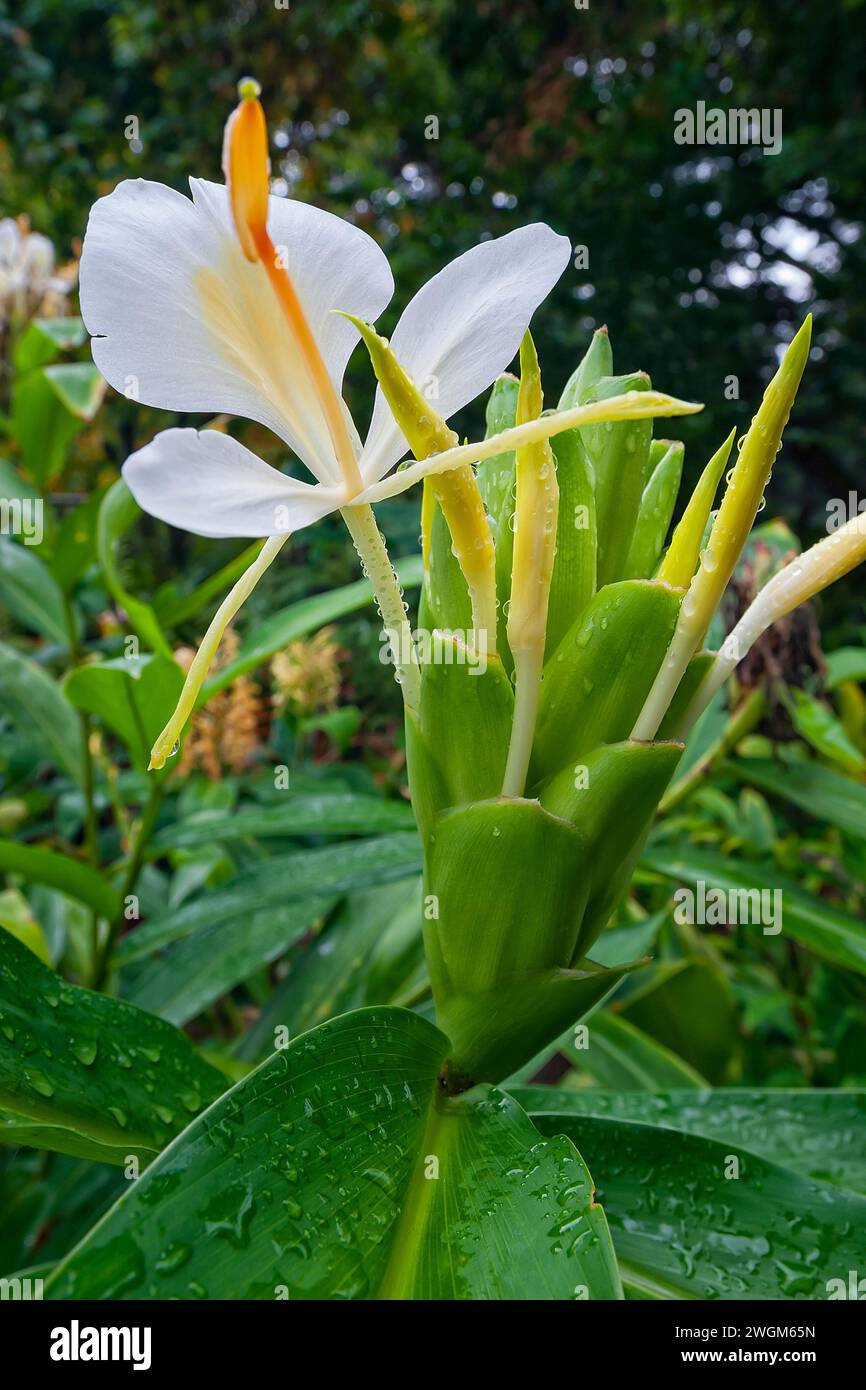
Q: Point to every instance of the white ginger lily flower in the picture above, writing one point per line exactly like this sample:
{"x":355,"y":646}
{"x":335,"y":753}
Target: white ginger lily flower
{"x":182,"y":318}
{"x":226,"y":304}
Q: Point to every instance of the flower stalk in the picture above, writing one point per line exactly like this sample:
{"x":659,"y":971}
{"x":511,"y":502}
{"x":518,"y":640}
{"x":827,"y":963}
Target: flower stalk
{"x":456,"y":492}
{"x":376,"y":564}
{"x":800,"y":580}
{"x":743,"y":497}
{"x":532,"y":568}
{"x":166,"y":744}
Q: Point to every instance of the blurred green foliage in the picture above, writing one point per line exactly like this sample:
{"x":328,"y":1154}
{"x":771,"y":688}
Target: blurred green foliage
{"x":702,"y":259}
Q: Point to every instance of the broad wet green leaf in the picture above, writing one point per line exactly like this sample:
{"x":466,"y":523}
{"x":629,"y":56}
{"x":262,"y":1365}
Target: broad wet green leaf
{"x":337,"y":1170}
{"x":707,"y":1218}
{"x":817,"y":1133}
{"x":120,"y":1080}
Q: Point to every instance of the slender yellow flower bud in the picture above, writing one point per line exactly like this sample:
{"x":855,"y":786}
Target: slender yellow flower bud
{"x":801,"y":579}
{"x":536,"y":514}
{"x":166,"y":743}
{"x":743,"y":497}
{"x":678,"y":566}
{"x":457,"y":492}
{"x":631,"y":405}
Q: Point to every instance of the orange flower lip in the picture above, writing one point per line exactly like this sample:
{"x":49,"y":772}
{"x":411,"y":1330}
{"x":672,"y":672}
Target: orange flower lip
{"x":246,"y":167}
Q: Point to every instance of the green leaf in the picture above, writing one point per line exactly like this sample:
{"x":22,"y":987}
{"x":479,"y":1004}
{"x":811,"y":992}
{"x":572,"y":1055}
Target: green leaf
{"x":656,"y":509}
{"x":817,"y":790}
{"x":15,"y":488}
{"x":465,"y":715}
{"x":503,"y":945}
{"x":119,"y":510}
{"x":132,"y":696}
{"x":572,"y":584}
{"x":687,"y":1006}
{"x":37,"y":865}
{"x":625,"y":1057}
{"x":596,"y":681}
{"x":173,"y":607}
{"x":611,"y":797}
{"x":120,"y":1080}
{"x":192,"y":973}
{"x":817,"y":1133}
{"x":295,"y":877}
{"x":833,"y":935}
{"x":17,"y":918}
{"x":46,"y":1207}
{"x":687,"y":1224}
{"x":330,"y":974}
{"x":307,"y":615}
{"x":34,"y":702}
{"x":618,"y":945}
{"x":819,"y":726}
{"x":242,"y":1206}
{"x":496,"y":485}
{"x":325,"y":813}
{"x":50,"y":407}
{"x":75,"y":546}
{"x":597,"y":362}
{"x":846,"y":664}
{"x":30,"y":592}
{"x":45,"y":339}
{"x":619,"y":455}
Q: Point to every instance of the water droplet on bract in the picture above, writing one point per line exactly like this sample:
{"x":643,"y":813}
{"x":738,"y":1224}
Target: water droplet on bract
{"x":39,"y":1082}
{"x":173,"y":1257}
{"x":85,"y":1050}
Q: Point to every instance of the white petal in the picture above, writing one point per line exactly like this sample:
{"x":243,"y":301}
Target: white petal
{"x":182,"y":321}
{"x":464,"y":326}
{"x":332,"y":265}
{"x":206,"y":482}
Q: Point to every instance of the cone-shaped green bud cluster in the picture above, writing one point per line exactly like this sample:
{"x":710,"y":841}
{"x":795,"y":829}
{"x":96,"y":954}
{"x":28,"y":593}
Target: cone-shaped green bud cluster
{"x":536,"y":775}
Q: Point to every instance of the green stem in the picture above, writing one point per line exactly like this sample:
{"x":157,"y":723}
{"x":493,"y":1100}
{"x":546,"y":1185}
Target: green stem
{"x":527,"y":685}
{"x":376,"y":564}
{"x":91,"y":827}
{"x":133,"y":869}
{"x":741,"y":722}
